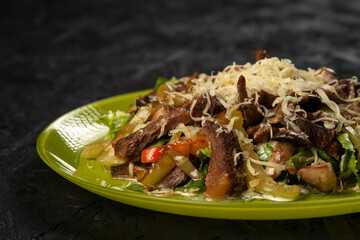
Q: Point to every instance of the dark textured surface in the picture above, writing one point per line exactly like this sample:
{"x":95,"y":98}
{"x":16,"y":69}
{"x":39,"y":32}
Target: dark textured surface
{"x":56,"y":56}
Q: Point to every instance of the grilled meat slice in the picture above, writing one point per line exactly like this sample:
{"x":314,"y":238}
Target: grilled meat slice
{"x":261,"y":54}
{"x":177,"y":176}
{"x":261,"y":133}
{"x":223,"y":173}
{"x":174,"y":179}
{"x":346,"y":90}
{"x":123,"y":171}
{"x":310,"y":102}
{"x":138,"y":140}
{"x":250,"y":112}
{"x":266,"y":98}
{"x":319,"y":136}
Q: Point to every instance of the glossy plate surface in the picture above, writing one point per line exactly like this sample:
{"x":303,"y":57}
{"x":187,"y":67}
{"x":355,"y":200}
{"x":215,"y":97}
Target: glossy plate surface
{"x":60,"y":145}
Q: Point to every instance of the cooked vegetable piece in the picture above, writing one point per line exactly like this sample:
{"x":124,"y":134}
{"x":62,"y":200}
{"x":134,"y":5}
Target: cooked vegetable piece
{"x":152,"y":154}
{"x":321,"y":176}
{"x":184,"y":164}
{"x":195,"y":186}
{"x":93,"y":150}
{"x":327,"y":158}
{"x":136,"y":187}
{"x":107,"y":157}
{"x":160,"y":81}
{"x":158,"y":170}
{"x":258,"y":180}
{"x":264,"y":152}
{"x":116,"y":121}
{"x":280,"y":154}
{"x":300,"y":159}
{"x":138,"y":140}
{"x":186,"y":147}
{"x":266,"y":185}
{"x":192,"y":145}
{"x":354,"y":136}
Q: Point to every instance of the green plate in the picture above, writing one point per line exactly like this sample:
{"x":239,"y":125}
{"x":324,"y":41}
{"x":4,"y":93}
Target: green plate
{"x":60,"y":145}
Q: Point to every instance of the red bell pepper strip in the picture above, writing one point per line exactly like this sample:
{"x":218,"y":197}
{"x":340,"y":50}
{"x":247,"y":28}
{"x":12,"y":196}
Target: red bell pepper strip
{"x":186,"y":147}
{"x":152,"y":154}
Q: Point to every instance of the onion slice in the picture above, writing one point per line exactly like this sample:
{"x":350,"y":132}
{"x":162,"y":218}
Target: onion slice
{"x":185,"y":164}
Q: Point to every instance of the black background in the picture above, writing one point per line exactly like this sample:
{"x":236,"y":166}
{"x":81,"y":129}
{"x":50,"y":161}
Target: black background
{"x":59,"y":55}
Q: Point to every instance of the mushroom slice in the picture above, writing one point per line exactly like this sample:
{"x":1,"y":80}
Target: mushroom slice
{"x":281,"y":154}
{"x":321,"y":176}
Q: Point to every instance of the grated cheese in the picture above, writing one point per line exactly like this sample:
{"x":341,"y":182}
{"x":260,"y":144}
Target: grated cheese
{"x":276,"y":76}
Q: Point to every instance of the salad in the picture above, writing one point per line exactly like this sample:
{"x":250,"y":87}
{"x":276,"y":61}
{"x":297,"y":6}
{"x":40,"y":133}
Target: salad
{"x":263,"y":130}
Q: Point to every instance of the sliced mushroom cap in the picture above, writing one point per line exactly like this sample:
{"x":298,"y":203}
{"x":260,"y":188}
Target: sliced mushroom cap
{"x":321,"y":176}
{"x":328,"y":74}
{"x":293,"y":137}
{"x":281,"y":153}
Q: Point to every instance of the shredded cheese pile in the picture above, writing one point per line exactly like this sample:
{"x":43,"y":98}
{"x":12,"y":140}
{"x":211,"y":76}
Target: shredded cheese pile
{"x":276,"y":76}
{"x":273,"y":75}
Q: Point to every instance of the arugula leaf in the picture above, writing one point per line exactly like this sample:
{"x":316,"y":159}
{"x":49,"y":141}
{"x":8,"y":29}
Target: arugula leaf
{"x":348,"y":160}
{"x":160,"y":81}
{"x":206,"y":152}
{"x":116,"y":121}
{"x":323,"y":155}
{"x":299,"y":160}
{"x":136,"y":188}
{"x":160,"y":142}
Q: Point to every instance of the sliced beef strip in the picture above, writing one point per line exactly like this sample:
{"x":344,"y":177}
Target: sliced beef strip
{"x":261,"y":54}
{"x":350,"y":88}
{"x":278,"y":115}
{"x":122,"y":171}
{"x":311,"y":102}
{"x":180,"y":86}
{"x":162,"y":111}
{"x":174,"y":179}
{"x":141,"y":138}
{"x":177,"y":176}
{"x":266,"y":98}
{"x":250,"y":112}
{"x":333,"y":150}
{"x":350,"y":115}
{"x":320,"y":114}
{"x":223,"y":175}
{"x":319,"y":136}
{"x":261,"y":133}
{"x":145,"y":99}
{"x":346,"y":90}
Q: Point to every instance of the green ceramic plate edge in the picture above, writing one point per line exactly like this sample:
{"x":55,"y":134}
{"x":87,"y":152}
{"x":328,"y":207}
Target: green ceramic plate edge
{"x":313,"y":206}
